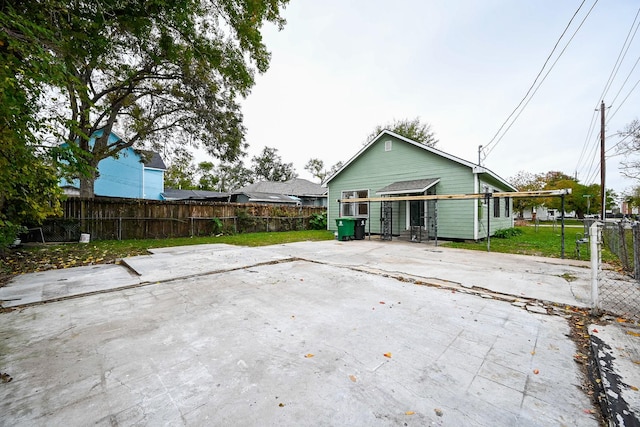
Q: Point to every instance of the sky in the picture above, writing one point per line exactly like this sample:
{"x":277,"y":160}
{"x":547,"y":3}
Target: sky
{"x":340,"y":68}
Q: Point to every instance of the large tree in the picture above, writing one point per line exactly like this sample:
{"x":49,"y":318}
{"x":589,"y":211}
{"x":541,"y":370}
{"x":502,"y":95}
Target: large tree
{"x":413,"y":129}
{"x":583,"y":199}
{"x":268,"y":166}
{"x":29,"y":189}
{"x":154,"y":69}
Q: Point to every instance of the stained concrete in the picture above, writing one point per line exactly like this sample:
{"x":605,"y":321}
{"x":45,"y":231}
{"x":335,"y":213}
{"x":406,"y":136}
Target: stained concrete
{"x":322,"y":333}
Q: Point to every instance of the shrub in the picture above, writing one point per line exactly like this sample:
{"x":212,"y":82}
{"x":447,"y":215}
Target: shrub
{"x":505,"y":233}
{"x":318,"y":221}
{"x":9,"y":232}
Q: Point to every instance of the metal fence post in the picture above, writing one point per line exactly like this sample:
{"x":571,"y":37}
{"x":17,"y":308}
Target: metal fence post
{"x":595,"y":258}
{"x":635,"y":229}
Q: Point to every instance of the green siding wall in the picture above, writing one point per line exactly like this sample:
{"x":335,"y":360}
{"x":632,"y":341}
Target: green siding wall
{"x":376,"y":168}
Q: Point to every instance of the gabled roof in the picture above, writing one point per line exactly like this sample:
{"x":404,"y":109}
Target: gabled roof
{"x":151,"y":159}
{"x":409,"y":187}
{"x":474,"y":167}
{"x":294,"y":187}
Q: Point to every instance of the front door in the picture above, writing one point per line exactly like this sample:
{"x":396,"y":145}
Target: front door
{"x":416,"y":213}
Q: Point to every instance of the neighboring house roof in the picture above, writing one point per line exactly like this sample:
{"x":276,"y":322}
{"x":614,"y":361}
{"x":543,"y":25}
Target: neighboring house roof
{"x":409,"y":187}
{"x":293,"y":187}
{"x":473,"y":166}
{"x":259,"y":197}
{"x":151,"y":159}
{"x":174,"y":194}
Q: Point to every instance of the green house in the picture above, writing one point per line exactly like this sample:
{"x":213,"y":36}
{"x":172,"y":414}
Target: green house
{"x":392,"y":166}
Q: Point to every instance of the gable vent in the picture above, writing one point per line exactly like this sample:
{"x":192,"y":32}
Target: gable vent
{"x":387,"y":145}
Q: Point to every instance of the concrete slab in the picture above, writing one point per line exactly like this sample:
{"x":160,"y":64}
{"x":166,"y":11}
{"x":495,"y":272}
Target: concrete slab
{"x":293,"y":343}
{"x":55,"y":284}
{"x":552,"y":280}
{"x":187,"y":261}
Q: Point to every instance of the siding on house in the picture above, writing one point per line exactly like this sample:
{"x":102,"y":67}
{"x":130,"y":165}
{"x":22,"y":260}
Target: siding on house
{"x":390,"y":158}
{"x":132,"y":173}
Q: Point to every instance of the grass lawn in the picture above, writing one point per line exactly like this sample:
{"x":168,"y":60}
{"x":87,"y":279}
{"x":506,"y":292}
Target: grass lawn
{"x":29,"y":259}
{"x":543,"y":241}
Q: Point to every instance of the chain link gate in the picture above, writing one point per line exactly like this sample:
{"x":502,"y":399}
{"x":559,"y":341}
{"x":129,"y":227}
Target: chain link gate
{"x":616,"y":287}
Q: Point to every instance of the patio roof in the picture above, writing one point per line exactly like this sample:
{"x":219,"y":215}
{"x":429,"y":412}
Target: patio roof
{"x":409,"y":187}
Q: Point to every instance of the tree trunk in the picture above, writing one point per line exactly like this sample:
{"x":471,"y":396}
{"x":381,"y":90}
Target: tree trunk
{"x":87,"y":183}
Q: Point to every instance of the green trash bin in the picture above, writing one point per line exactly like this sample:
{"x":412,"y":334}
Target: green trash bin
{"x":346,"y":228}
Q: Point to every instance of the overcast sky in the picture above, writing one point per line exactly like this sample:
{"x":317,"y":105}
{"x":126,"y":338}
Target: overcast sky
{"x":339,"y":68}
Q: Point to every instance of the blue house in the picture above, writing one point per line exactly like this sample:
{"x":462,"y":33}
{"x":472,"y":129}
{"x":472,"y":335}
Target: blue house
{"x":136,"y":174}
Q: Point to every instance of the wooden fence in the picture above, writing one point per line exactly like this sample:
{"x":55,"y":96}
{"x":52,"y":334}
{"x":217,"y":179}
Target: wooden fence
{"x":119,"y":219}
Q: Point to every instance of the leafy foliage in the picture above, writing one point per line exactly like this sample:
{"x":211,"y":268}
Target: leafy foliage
{"x":316,"y":168}
{"x":413,"y":129}
{"x":318,"y":221}
{"x":505,"y":233}
{"x":268,"y":166}
{"x":170,"y":70}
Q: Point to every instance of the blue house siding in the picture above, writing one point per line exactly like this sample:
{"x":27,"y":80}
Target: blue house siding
{"x":125,"y":175}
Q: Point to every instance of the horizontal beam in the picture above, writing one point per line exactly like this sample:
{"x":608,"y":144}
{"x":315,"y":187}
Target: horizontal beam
{"x":541,"y":193}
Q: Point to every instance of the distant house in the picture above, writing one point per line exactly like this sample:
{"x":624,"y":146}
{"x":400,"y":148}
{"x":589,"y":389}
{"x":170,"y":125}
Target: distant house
{"x":174,"y":194}
{"x":394,"y":166}
{"x":133,"y":173}
{"x":295,"y":191}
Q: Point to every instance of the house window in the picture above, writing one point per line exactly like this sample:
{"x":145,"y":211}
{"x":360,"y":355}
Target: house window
{"x":496,"y":207}
{"x":387,"y":145}
{"x":354,"y":209}
{"x":506,"y":207}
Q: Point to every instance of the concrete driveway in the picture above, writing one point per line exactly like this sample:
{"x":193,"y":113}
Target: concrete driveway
{"x":312,"y":333}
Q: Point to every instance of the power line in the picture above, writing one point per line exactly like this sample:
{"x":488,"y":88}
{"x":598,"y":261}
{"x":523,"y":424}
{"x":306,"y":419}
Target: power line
{"x":614,"y":71}
{"x":495,"y":140}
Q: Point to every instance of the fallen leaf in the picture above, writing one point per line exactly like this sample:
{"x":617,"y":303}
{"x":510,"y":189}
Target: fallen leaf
{"x":535,"y":371}
{"x":352,"y":378}
{"x":595,"y":330}
{"x":621,"y":320}
{"x":634,"y":388}
{"x":382,"y":302}
{"x":281,"y":405}
{"x":308,"y":355}
{"x":637,"y":362}
{"x":387,"y":355}
{"x":409,"y":413}
{"x":635,"y":334}
{"x":533,"y":352}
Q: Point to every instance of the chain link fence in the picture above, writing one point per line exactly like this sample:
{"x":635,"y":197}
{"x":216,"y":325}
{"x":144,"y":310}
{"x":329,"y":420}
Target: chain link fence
{"x":616,"y":285}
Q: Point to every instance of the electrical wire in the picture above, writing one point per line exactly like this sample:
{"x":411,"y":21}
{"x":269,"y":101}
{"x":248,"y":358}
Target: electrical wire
{"x":621,"y":55}
{"x":495,"y":140}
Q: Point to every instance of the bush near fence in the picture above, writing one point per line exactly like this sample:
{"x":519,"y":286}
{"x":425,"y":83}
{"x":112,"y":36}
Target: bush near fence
{"x":120,"y":219}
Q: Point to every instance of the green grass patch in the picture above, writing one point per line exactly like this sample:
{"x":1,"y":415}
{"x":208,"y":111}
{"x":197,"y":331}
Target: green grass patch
{"x":538,"y":241}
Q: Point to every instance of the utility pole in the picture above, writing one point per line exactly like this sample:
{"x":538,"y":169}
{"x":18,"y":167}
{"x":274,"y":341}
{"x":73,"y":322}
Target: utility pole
{"x":603,"y":165}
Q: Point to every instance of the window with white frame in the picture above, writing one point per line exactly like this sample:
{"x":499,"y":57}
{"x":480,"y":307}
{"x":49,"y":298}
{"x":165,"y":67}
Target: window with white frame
{"x":354,"y":209}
